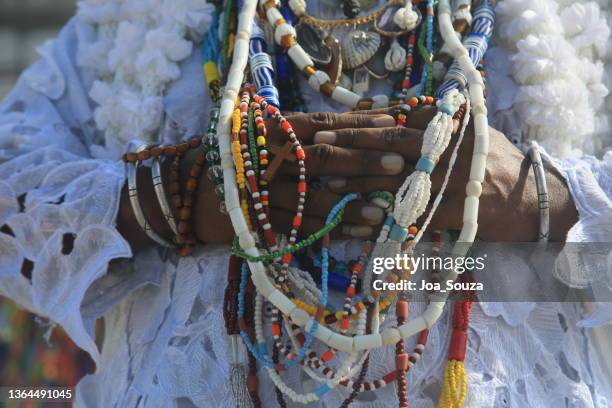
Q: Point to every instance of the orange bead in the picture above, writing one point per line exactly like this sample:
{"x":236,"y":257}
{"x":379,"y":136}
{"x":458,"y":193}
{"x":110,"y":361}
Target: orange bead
{"x":344,"y":324}
{"x":302,"y":187}
{"x":297,"y":221}
{"x":276,"y":329}
{"x":350,"y":291}
{"x":412,"y":102}
{"x":301,"y":155}
{"x":327,"y":356}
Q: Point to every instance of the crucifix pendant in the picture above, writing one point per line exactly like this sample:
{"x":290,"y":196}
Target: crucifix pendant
{"x":281,"y":154}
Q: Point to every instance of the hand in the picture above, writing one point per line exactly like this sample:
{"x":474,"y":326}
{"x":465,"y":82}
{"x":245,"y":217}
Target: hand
{"x":361,"y":219}
{"x":508,"y":205}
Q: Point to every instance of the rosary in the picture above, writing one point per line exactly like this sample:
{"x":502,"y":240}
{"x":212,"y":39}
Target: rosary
{"x":423,"y":46}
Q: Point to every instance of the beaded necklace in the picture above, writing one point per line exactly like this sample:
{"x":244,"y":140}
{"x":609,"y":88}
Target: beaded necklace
{"x":408,"y":207}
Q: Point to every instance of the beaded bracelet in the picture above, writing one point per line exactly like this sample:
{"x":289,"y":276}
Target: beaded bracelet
{"x":181,"y":206}
{"x":542,"y":189}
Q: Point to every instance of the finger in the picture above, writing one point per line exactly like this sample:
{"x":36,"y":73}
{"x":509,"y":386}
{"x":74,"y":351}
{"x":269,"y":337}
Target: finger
{"x":343,"y":185}
{"x":405,"y":141}
{"x":368,"y":184}
{"x":417,"y":118}
{"x":305,"y":125}
{"x":327,"y":160}
{"x":319,"y":203}
{"x":282,"y":221}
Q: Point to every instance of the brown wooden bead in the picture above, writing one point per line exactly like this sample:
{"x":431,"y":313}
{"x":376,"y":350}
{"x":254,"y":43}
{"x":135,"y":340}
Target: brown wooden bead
{"x":184,"y":227}
{"x":185,"y":250}
{"x":188,"y":201}
{"x":182,"y":148}
{"x":175,"y":188}
{"x":201,"y":160}
{"x":192,"y":185}
{"x":195,"y":142}
{"x":184,"y":239}
{"x":170,"y":150}
{"x":196,"y":171}
{"x":131,"y":157}
{"x":184,"y":214}
{"x":252,"y":383}
{"x":157,"y":151}
{"x":144,"y":155}
{"x":176,"y":201}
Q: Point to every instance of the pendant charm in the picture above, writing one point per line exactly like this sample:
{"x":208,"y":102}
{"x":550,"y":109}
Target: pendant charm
{"x":351,"y":8}
{"x":395,"y":60}
{"x":358,"y":47}
{"x":376,"y":65}
{"x":334,"y":68}
{"x":311,"y":40}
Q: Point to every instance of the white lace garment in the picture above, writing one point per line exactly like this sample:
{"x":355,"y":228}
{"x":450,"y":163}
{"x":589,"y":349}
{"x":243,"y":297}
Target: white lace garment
{"x":164,"y":336}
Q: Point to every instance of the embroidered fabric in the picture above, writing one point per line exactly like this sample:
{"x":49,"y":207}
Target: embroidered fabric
{"x":164,"y":341}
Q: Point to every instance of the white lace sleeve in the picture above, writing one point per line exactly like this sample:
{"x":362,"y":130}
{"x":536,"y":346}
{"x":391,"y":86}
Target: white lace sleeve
{"x":57,"y":205}
{"x":590,"y":183}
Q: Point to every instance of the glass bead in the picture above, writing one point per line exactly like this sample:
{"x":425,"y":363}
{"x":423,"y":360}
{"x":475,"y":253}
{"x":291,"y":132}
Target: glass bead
{"x":212,"y":156}
{"x":223,"y":207}
{"x":220,"y":190}
{"x":215,"y":172}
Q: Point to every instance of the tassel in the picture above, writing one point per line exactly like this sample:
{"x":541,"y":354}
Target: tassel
{"x":454,"y":386}
{"x":454,"y":383}
{"x":238,"y":386}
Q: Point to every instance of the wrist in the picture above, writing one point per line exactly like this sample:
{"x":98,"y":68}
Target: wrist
{"x":563,"y":213}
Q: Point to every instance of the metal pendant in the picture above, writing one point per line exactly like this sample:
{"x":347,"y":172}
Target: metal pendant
{"x":312,"y":41}
{"x":376,"y":65}
{"x":358,"y":47}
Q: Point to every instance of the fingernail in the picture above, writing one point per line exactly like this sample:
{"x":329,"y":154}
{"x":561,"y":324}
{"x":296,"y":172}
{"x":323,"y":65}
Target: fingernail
{"x":336,"y":183}
{"x":383,"y":121}
{"x":392,"y":162}
{"x":325,"y":136}
{"x":372,"y":213}
{"x":357,"y":231}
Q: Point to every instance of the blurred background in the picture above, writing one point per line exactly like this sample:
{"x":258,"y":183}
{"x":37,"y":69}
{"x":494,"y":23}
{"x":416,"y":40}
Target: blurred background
{"x":24,"y":25}
{"x":31,"y":354}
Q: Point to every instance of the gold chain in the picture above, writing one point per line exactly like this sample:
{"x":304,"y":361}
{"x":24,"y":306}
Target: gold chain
{"x":360,"y":20}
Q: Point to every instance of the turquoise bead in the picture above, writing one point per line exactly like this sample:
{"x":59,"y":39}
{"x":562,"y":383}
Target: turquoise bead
{"x":446,"y":108}
{"x":425,"y":164}
{"x":321,"y":390}
{"x":398,"y":233}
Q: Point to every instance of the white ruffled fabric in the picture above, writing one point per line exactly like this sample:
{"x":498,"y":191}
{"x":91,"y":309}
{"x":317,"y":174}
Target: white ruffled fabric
{"x":558,"y":51}
{"x":149,"y":39}
{"x":164,"y":342}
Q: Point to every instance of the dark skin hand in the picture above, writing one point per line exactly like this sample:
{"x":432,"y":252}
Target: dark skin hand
{"x":363,"y":152}
{"x":361,"y":218}
{"x":508,"y":208}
